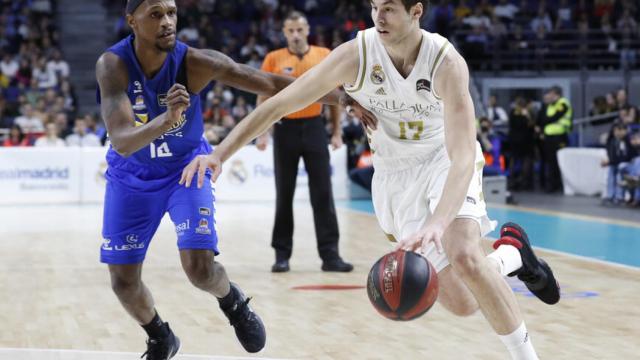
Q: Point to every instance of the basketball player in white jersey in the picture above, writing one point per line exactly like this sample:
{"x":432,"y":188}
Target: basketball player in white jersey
{"x":427,"y":187}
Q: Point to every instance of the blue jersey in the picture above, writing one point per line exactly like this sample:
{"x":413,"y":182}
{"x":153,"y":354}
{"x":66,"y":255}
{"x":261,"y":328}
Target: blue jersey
{"x":156,"y":165}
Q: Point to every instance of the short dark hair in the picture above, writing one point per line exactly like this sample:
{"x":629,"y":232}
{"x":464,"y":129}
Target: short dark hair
{"x":409,"y":3}
{"x":555,"y":89}
{"x":295,"y":15}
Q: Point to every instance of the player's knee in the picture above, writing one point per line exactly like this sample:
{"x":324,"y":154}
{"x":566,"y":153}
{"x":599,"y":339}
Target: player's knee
{"x":466,"y":262}
{"x":124,"y":286}
{"x":202,"y":272}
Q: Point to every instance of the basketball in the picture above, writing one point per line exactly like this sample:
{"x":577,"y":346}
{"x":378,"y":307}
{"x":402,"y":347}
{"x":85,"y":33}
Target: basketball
{"x":402,"y":285}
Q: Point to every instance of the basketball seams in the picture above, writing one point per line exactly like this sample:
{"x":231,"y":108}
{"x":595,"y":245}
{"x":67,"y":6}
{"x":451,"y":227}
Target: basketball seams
{"x":386,"y":285}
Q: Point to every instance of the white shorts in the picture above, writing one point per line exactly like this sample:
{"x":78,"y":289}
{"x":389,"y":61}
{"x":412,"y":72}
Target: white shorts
{"x":406,"y":191}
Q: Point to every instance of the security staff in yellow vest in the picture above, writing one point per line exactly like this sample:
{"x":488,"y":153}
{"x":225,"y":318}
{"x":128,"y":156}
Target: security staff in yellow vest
{"x":555,"y":123}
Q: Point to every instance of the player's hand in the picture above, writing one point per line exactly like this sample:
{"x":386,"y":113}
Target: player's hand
{"x":431,"y":233}
{"x":336,"y":141}
{"x":199,"y":166}
{"x":177,"y":102}
{"x":262,"y":141}
{"x":356,"y":110}
{"x":365,"y":116}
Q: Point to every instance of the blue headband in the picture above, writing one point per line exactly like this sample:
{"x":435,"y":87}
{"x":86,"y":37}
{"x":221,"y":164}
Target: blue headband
{"x":132,"y":5}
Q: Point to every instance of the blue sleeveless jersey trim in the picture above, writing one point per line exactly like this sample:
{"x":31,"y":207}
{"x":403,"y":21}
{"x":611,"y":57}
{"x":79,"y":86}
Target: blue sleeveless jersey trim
{"x":162,"y":161}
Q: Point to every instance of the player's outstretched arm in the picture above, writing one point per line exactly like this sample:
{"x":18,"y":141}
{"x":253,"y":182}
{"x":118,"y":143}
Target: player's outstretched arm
{"x":117,"y":113}
{"x":452,"y":83}
{"x":210,"y":65}
{"x":341,"y":66}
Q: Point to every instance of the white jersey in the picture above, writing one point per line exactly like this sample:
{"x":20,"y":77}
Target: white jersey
{"x":410,"y":114}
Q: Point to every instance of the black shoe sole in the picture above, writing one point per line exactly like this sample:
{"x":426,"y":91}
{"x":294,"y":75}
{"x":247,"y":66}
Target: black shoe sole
{"x":177,"y":349}
{"x":549,"y":293}
{"x":275,"y":269}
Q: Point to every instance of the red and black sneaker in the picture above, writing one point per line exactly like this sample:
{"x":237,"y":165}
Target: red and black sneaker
{"x":535,"y":272}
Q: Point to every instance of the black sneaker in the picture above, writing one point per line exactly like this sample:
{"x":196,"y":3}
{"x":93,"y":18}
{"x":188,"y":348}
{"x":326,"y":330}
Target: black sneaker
{"x":162,"y":349}
{"x":535,"y":273}
{"x":336,"y":265}
{"x":247,"y":324}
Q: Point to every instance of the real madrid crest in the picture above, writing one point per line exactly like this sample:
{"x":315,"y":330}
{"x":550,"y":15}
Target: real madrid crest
{"x":377,"y":75}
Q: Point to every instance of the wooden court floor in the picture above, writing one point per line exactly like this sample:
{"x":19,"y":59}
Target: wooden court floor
{"x":54,"y":294}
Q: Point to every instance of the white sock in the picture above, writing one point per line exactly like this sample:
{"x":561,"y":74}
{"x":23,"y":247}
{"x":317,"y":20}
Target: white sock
{"x":519,"y":344}
{"x":508,"y":259}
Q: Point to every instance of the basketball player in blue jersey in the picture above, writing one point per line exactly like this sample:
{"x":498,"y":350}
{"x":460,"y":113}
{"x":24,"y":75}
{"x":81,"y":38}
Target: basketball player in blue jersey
{"x":148,"y":93}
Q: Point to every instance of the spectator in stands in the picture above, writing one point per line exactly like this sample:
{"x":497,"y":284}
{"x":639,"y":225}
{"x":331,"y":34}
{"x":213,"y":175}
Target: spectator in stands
{"x":241,"y":108}
{"x":631,"y":174}
{"x":5,"y":120}
{"x":491,"y":147}
{"x":486,"y":7}
{"x":564,"y":16}
{"x":9,"y":66}
{"x":600,"y":106}
{"x":521,"y":145}
{"x":51,"y":138}
{"x":81,"y":137}
{"x":498,"y":33}
{"x":541,"y":47}
{"x":628,"y":28}
{"x":16,"y":138}
{"x":628,"y":113}
{"x":462,"y":10}
{"x":28,"y":122}
{"x":46,"y":77}
{"x":629,"y":116}
{"x":542,"y":19}
{"x":477,"y":20}
{"x":619,"y":153}
{"x":62,"y":122}
{"x":555,"y":123}
{"x":506,"y":11}
{"x":252,"y":46}
{"x":443,"y":16}
{"x":519,"y":45}
{"x":58,"y":66}
{"x":608,"y":54}
{"x":69,"y":95}
{"x":189,"y":34}
{"x":496,"y":113}
{"x":475,"y":47}
{"x":25,"y":72}
{"x":254,"y":60}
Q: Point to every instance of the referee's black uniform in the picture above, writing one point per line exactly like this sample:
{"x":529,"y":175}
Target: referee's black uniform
{"x":302,"y":134}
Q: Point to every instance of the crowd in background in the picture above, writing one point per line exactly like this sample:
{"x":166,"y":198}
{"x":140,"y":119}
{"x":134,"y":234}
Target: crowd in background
{"x":38,"y":105}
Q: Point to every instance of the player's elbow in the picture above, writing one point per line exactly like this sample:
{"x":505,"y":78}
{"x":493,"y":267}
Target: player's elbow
{"x":120,"y":147}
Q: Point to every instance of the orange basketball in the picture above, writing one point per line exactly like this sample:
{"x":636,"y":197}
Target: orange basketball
{"x":402,"y":285}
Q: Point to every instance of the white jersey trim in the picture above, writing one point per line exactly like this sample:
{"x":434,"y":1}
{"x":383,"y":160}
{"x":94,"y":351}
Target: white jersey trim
{"x":362,"y":67}
{"x":434,"y":69}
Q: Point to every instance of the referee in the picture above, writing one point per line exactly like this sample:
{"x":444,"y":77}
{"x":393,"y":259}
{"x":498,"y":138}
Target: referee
{"x":302,"y":134}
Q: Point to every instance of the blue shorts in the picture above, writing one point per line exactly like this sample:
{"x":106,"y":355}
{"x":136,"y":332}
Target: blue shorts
{"x":131,"y":218}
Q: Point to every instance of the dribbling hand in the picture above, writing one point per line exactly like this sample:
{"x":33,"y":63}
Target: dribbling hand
{"x":421,"y":239}
{"x":199,"y":166}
